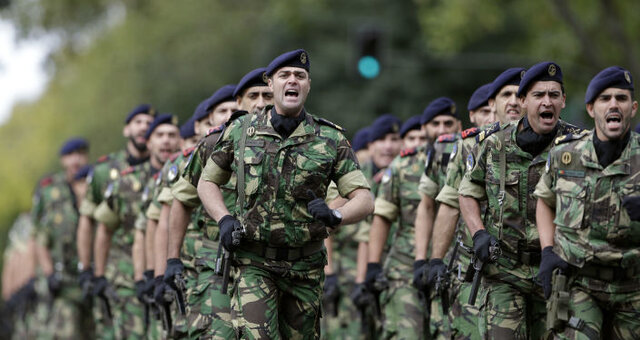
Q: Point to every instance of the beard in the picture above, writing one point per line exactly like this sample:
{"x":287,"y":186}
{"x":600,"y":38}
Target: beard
{"x":141,"y":147}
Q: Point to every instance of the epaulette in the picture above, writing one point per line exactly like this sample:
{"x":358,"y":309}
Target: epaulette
{"x":188,"y":151}
{"x":174,"y":156}
{"x":235,"y":116}
{"x":46,"y":181}
{"x":488,"y":131}
{"x":572,"y":129}
{"x":570,"y":136}
{"x":449,"y":137}
{"x":470,"y":132}
{"x":102,"y":159}
{"x":215,"y":129}
{"x":408,"y":152}
{"x":323,"y":121}
{"x":127,"y":171}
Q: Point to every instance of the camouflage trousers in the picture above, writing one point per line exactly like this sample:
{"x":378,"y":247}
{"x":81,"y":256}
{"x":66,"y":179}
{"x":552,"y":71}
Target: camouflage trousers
{"x":405,"y":314}
{"x":463,"y":317}
{"x":70,"y":318}
{"x":341,"y":325}
{"x":277,"y":299}
{"x":438,"y":321}
{"x":128,"y":314}
{"x":608,"y":310}
{"x":512,"y":305}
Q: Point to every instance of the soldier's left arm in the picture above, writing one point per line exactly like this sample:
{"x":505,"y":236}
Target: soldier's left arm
{"x":101,"y":248}
{"x":546,"y":205}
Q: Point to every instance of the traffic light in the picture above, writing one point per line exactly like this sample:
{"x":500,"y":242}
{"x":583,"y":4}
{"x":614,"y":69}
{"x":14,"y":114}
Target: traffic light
{"x":369,"y":41}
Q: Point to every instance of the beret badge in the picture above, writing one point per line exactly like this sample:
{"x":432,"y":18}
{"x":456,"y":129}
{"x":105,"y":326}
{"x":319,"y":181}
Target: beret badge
{"x":303,"y":58}
{"x":552,"y":70}
{"x":627,"y":77}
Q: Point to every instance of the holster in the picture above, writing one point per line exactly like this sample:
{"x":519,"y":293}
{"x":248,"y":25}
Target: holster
{"x":558,"y":303}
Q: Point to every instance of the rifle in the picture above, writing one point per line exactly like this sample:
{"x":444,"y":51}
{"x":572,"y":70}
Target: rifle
{"x":331,"y":299}
{"x":179,"y":293}
{"x":223,"y":263}
{"x":165,"y":311}
{"x":443,"y":282}
{"x":364,"y":299}
{"x":477,"y":266}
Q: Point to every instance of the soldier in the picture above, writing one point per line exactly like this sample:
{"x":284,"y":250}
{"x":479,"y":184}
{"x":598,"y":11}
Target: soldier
{"x":252,"y":93}
{"x":412,"y":133}
{"x":55,"y":216}
{"x":360,"y":145}
{"x":504,"y":170}
{"x":486,"y":104}
{"x":116,"y":216}
{"x":290,"y":156}
{"x":588,"y":214}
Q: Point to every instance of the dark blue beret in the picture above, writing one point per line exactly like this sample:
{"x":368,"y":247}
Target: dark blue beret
{"x":614,"y":76}
{"x":480,"y":97}
{"x":187,"y":130}
{"x":511,"y":76}
{"x":384,"y":124}
{"x":201,"y":110}
{"x":360,"y":139}
{"x":413,"y":123}
{"x":440,"y":106}
{"x":140,"y":109}
{"x":224,"y":94}
{"x":544,"y":71}
{"x":73,"y":144}
{"x":82,"y":172}
{"x":297,"y":58}
{"x":637,"y":129}
{"x":165,"y":118}
{"x":253,"y":78}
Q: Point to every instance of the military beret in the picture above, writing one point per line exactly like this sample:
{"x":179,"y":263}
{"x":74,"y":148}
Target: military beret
{"x":187,"y":130}
{"x":543,"y":71}
{"x":440,"y":106}
{"x":73,"y":145}
{"x":614,"y":76}
{"x":297,"y":58}
{"x":253,"y":78}
{"x":384,"y":124}
{"x":360,"y":139}
{"x":223,"y":94}
{"x":201,"y":111}
{"x":511,"y":76}
{"x":479,"y":98}
{"x":83,"y":172}
{"x":140,"y":109}
{"x":637,"y":129}
{"x":165,"y":118}
{"x":413,"y":123}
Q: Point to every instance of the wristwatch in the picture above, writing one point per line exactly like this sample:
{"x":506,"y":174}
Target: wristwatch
{"x":337,"y":214}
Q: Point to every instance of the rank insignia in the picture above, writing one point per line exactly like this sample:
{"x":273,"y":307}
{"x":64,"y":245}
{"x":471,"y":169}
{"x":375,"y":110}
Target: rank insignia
{"x":173,"y":173}
{"x":387,"y":176}
{"x":470,"y":162}
{"x":453,"y":152}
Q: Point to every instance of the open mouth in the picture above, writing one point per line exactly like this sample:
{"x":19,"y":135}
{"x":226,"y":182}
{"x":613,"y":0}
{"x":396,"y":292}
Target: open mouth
{"x":546,"y":116}
{"x":291,"y":93}
{"x":614,"y":120}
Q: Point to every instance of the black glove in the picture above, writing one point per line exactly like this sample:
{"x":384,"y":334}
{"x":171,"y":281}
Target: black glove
{"x":159,"y":289}
{"x":373,"y":270}
{"x":482,"y":240}
{"x":148,"y":283}
{"x":420,"y":269}
{"x":436,"y":268}
{"x":140,"y":286}
{"x":174,"y":267}
{"x":331,"y":288}
{"x":321,"y":211}
{"x":228,"y":224}
{"x":54,"y":283}
{"x":100,"y":286}
{"x":85,"y":277}
{"x":360,"y":296}
{"x":548,"y":263}
{"x":632,"y":204}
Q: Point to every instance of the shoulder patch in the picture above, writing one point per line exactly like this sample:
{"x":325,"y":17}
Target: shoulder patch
{"x":174,"y":156}
{"x":470,"y":132}
{"x":102,"y":159}
{"x":487,"y":132}
{"x":323,"y":121}
{"x":127,"y":171}
{"x":215,"y":129}
{"x":408,"y":152}
{"x":568,"y":128}
{"x":188,"y":151}
{"x":449,"y":137}
{"x":46,"y":181}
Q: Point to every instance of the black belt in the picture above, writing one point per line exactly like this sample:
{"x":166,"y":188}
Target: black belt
{"x":526,"y":257}
{"x":608,"y":273}
{"x":282,"y":253}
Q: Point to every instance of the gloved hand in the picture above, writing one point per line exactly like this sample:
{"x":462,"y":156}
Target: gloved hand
{"x":420,"y":270}
{"x":482,"y":240}
{"x":373,"y":270}
{"x":148,"y":283}
{"x":228,"y":225}
{"x":632,"y":204}
{"x":174,"y":267}
{"x":140,"y":285}
{"x":159,"y":289}
{"x":54,"y":283}
{"x":436,"y":268}
{"x":360,"y":296}
{"x":548,"y":263}
{"x":100,"y":286}
{"x":331,"y":288}
{"x":85,"y":277}
{"x":319,"y":209}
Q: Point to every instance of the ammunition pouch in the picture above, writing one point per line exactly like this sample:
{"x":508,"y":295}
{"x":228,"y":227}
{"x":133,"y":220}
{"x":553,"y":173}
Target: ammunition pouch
{"x":558,"y":303}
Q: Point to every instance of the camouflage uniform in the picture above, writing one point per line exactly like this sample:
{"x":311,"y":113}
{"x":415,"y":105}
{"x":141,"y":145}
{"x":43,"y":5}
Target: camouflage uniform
{"x":397,"y":200}
{"x":106,"y":170}
{"x":511,"y":303}
{"x":55,"y":216}
{"x":210,"y":309}
{"x":281,"y":258}
{"x":595,"y":235}
{"x":121,"y":207}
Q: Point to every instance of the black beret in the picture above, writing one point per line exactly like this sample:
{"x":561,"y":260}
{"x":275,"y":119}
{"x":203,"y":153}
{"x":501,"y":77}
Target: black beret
{"x":413,"y":123}
{"x":140,"y":109}
{"x":187,"y":130}
{"x":297,"y":58}
{"x":511,"y":76}
{"x":439,"y":106}
{"x":83,"y":172}
{"x":614,"y":76}
{"x":165,"y":118}
{"x":360,"y":139}
{"x":479,"y":98}
{"x":253,"y":78}
{"x":74,"y":144}
{"x":384,"y":124}
{"x":544,"y":71}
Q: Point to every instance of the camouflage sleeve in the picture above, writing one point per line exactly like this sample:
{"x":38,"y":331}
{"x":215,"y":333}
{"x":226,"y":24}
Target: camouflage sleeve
{"x":218,"y":166}
{"x":428,"y":186}
{"x":544,"y":188}
{"x":388,"y":198}
{"x":346,"y":171}
{"x":107,"y":211}
{"x":96,"y":180}
{"x":455,"y":171}
{"x":184,"y":189}
{"x":39,"y":232}
{"x":473,"y":182}
{"x":332,"y":192}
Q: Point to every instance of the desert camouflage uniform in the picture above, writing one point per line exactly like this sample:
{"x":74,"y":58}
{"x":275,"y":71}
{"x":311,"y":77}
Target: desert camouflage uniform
{"x":595,"y":235}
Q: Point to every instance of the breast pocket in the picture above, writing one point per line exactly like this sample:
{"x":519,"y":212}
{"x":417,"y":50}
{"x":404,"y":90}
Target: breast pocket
{"x":311,"y":171}
{"x":570,"y":204}
{"x":253,"y":169}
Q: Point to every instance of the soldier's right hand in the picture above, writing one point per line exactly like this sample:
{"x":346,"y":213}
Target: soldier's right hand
{"x":228,"y":224}
{"x":420,"y":270}
{"x":54,"y":283}
{"x":360,"y":296}
{"x":373,"y":270}
{"x":140,"y":285}
{"x":100,"y":286}
{"x":159,"y":289}
{"x":437,"y":268}
{"x":632,"y":205}
{"x":482,"y":240}
{"x":319,"y":209}
{"x":548,"y":263}
{"x":85,"y":277}
{"x":174,"y":267}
